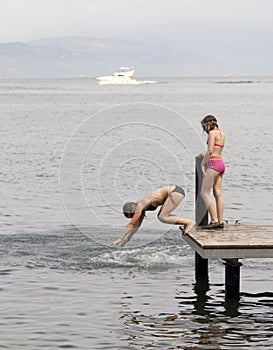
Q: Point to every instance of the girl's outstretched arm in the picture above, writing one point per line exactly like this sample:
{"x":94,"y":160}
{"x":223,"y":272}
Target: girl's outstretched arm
{"x":130,"y":229}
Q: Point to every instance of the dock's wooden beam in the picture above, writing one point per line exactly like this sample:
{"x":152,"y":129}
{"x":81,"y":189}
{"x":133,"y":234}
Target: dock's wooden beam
{"x":201,"y":210}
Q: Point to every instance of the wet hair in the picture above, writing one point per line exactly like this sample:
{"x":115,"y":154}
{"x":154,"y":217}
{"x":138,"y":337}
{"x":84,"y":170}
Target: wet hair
{"x":129,"y":209}
{"x":209,"y":123}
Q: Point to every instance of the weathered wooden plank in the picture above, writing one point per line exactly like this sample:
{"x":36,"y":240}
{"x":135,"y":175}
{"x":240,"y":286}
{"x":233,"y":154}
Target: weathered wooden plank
{"x":234,"y":241}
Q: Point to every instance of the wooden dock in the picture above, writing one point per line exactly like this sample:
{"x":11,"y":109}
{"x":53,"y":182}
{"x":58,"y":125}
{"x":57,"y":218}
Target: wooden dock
{"x":232,"y":243}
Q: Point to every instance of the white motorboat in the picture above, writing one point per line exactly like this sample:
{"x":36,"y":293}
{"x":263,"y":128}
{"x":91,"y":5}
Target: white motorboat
{"x":125,"y":75}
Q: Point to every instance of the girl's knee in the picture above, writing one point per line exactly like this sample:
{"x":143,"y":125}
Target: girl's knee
{"x":217,"y":193}
{"x":204,"y":194}
{"x":161,"y":218}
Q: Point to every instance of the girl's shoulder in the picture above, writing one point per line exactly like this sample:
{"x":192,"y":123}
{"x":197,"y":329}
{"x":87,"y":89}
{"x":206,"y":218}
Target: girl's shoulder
{"x":212,"y":133}
{"x":216,"y":132}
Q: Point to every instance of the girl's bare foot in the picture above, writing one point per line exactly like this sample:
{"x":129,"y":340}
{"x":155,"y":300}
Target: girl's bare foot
{"x":189,"y":227}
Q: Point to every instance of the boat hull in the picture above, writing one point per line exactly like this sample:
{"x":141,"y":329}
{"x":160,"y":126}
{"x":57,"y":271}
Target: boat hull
{"x":124,"y":82}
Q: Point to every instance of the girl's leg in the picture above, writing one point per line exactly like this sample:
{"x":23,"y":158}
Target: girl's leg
{"x":217,"y":191}
{"x":208,"y":182}
{"x":168,"y":206}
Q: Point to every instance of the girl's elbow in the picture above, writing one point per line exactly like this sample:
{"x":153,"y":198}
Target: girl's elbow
{"x":130,"y":225}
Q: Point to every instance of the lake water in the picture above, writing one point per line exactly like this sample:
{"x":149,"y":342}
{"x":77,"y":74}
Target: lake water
{"x":72,"y":153}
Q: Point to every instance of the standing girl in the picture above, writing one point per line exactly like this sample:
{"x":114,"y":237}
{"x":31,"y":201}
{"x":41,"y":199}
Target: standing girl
{"x":213,"y":168}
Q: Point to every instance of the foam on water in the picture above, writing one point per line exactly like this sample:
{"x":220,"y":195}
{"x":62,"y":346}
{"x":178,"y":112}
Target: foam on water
{"x":151,"y":257}
{"x":69,"y":249}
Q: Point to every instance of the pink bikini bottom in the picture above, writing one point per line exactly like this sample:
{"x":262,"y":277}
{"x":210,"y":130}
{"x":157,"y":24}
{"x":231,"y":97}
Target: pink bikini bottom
{"x":217,"y":164}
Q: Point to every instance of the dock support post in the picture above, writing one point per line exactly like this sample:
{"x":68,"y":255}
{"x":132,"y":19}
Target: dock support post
{"x":201,"y":281}
{"x":201,"y":211}
{"x":201,"y":218}
{"x":201,"y":269}
{"x":232,"y":279}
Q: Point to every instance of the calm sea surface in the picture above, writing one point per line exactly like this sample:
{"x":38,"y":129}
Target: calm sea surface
{"x":72,"y":152}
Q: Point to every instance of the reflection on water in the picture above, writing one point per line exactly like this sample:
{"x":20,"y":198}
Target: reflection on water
{"x":206,"y":321}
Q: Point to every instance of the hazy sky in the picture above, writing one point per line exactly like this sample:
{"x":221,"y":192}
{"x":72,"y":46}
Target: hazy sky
{"x":23,"y":20}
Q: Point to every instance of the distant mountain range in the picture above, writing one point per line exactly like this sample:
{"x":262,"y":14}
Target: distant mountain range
{"x":90,"y":57}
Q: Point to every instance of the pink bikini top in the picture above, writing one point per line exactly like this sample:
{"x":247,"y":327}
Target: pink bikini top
{"x":216,"y":144}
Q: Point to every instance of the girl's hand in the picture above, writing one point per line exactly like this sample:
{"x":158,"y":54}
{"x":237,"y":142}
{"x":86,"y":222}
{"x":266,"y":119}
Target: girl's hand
{"x":116,"y":242}
{"x":203,"y":168}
